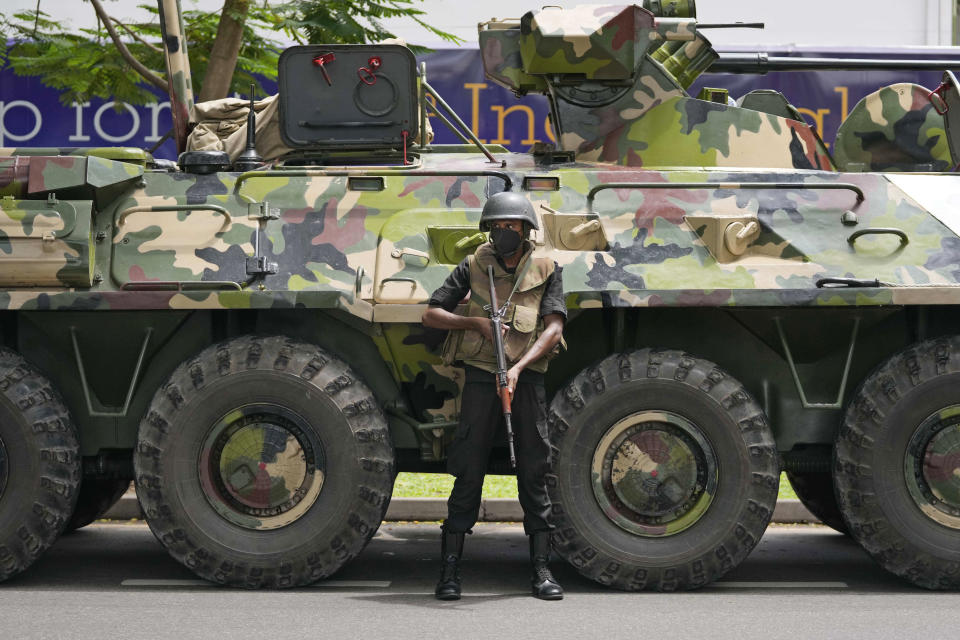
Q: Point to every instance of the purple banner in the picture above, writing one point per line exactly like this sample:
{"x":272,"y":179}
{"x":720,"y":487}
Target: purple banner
{"x":32,"y":114}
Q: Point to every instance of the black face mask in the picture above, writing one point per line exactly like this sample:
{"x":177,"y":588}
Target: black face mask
{"x":505,"y":241}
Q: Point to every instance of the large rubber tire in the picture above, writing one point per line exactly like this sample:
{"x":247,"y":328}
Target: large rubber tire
{"x":39,"y":464}
{"x":94,"y":499}
{"x":882,"y":457}
{"x":258,"y":386}
{"x":815,"y":491}
{"x":712,"y":407}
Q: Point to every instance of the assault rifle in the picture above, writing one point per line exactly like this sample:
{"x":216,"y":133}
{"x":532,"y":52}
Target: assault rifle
{"x":506,"y":395}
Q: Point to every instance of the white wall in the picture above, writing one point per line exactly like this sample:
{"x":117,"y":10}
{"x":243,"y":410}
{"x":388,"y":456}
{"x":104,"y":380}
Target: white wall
{"x":810,"y":22}
{"x":835,"y":22}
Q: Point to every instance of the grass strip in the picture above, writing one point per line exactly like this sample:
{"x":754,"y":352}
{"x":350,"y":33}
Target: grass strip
{"x":438,"y":485}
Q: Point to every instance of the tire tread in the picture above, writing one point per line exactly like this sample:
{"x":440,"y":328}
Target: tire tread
{"x":50,"y":433}
{"x":665,"y":365}
{"x":330,"y":377}
{"x":863,"y":425}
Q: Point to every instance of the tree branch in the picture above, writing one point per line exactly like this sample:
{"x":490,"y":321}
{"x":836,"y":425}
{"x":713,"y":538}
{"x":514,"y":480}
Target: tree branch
{"x":36,"y":19}
{"x":138,"y":66}
{"x":136,"y":36}
{"x":226,"y":49}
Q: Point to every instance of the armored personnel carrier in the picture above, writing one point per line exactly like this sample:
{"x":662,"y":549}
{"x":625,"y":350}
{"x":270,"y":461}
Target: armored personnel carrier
{"x":240,"y":333}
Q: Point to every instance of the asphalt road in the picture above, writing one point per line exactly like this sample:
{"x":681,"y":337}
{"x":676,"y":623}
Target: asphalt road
{"x":116,"y":581}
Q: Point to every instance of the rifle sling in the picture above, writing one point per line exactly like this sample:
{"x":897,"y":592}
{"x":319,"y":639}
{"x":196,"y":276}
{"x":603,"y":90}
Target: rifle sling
{"x":516,"y":285}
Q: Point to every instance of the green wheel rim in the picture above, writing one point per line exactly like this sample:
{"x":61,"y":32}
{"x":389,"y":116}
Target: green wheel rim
{"x":261,"y":467}
{"x":654,"y":473}
{"x":931,"y":467}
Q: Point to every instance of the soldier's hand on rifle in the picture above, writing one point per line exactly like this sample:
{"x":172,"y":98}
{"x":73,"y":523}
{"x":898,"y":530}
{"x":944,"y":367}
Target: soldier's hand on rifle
{"x":513,"y":375}
{"x":485,"y":327}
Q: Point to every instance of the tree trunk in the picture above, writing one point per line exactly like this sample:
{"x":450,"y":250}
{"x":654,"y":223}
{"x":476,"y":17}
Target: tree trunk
{"x":226,"y":49}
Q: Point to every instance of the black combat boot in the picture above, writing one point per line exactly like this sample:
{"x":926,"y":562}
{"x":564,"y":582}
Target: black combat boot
{"x":543,"y":583}
{"x":451,"y":548}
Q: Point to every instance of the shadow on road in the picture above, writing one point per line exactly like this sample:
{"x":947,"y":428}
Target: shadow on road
{"x":495,"y":566}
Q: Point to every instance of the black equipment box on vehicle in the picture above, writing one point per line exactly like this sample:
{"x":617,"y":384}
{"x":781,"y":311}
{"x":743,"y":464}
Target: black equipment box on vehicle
{"x":360,"y":96}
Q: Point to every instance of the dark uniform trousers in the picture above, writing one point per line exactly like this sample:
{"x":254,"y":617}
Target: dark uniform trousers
{"x":481,"y":418}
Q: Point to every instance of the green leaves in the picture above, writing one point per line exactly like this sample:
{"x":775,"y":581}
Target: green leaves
{"x":78,"y":64}
{"x":84,"y":63}
{"x":351,"y":21}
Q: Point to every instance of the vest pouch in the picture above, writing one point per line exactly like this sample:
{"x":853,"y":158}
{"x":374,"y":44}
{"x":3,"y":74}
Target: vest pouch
{"x":448,"y":352}
{"x":460,"y":344}
{"x":523,"y":332}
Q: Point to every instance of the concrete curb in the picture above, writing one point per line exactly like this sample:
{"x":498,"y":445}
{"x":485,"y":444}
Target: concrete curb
{"x":491,"y":510}
{"x":126,"y":508}
{"x":793,"y":512}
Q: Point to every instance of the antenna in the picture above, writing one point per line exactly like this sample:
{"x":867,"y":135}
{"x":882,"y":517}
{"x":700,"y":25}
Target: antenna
{"x":250,"y":159}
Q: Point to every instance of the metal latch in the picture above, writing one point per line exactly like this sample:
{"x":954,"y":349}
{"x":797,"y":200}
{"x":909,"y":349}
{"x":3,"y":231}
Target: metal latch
{"x":262,"y":211}
{"x":260,"y":266}
{"x":415,"y":253}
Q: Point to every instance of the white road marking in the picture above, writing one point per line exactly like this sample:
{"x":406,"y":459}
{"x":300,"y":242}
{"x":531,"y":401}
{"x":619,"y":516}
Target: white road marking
{"x":136,"y":582}
{"x":779,"y":585}
{"x":369,"y":584}
{"x":326,"y":584}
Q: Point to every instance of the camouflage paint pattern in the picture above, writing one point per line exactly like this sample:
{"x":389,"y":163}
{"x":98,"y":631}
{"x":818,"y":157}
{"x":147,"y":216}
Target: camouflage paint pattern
{"x":895,"y":128}
{"x":647,"y":480}
{"x":23,"y":174}
{"x":941,"y":468}
{"x":260,"y":471}
{"x":45,"y":243}
{"x":689,"y":60}
{"x":671,"y":8}
{"x":179,"y":84}
{"x":133,"y":155}
{"x":328,"y":239}
{"x":685,"y":132}
{"x":433,"y":387}
{"x":599,"y":41}
{"x":143,"y":238}
{"x":649,"y":120}
{"x":931,"y":467}
{"x":501,"y":58}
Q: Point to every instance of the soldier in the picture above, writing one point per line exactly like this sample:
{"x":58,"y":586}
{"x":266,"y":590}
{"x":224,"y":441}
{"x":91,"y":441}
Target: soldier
{"x":536,"y":314}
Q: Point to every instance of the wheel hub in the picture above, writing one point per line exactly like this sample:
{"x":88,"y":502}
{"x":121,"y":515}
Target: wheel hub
{"x":260,"y":467}
{"x":654,"y":473}
{"x":932,"y":467}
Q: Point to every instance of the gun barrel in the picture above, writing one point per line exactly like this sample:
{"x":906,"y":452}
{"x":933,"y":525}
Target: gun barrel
{"x":732,"y":25}
{"x":761,"y":63}
{"x":497,"y":323}
{"x":498,"y":346}
{"x":501,"y":374}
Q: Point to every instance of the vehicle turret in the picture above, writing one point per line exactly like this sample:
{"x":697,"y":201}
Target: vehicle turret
{"x":617,"y":78}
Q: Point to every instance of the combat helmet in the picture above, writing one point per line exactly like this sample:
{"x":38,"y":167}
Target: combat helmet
{"x":507,"y":205}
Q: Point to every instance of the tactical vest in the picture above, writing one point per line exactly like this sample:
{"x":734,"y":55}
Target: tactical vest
{"x":523,"y":314}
